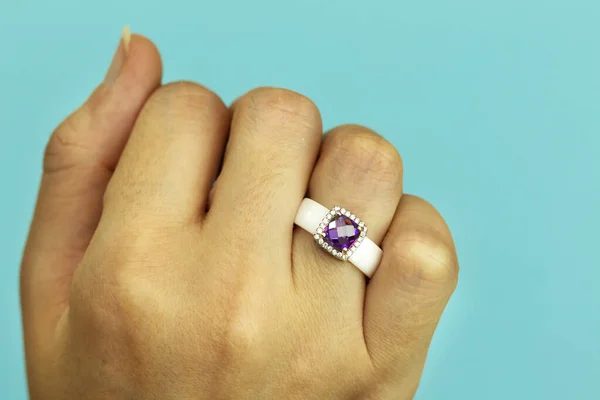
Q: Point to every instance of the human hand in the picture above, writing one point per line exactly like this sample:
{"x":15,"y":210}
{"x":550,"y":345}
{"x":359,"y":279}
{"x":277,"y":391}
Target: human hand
{"x":140,"y":282}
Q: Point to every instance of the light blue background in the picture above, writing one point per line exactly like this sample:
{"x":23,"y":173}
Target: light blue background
{"x":495,"y":107}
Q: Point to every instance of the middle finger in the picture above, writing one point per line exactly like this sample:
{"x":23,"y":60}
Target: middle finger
{"x":274,"y":140}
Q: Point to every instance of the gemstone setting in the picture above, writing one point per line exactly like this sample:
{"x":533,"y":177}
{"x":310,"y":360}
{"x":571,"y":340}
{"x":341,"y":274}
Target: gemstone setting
{"x":340,"y":233}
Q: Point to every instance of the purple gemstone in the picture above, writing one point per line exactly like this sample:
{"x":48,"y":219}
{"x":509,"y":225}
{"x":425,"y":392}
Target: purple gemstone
{"x":341,"y":233}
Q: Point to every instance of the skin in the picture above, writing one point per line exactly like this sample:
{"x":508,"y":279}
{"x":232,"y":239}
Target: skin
{"x":140,"y":279}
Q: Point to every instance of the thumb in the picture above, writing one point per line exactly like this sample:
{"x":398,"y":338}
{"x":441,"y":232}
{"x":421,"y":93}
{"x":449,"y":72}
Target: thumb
{"x":78,"y":163}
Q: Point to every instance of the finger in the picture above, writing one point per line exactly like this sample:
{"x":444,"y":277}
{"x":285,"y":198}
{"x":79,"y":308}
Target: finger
{"x":274,"y":140}
{"x":409,"y":291}
{"x":170,"y":162}
{"x":362,"y":172}
{"x":78,"y":163}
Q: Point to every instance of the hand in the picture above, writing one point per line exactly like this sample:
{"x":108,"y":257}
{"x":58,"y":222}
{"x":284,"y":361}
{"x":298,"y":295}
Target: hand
{"x":140,"y":282}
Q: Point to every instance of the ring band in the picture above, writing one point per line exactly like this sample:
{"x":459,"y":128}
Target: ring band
{"x":341,"y":234}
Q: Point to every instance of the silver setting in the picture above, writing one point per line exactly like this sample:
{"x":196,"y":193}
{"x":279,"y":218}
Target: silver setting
{"x":320,"y":233}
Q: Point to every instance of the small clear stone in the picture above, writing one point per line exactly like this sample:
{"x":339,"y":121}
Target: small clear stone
{"x":320,"y":230}
{"x":353,"y":217}
{"x":360,"y":239}
{"x":357,"y":220}
{"x":328,"y":216}
{"x":317,"y":237}
{"x":321,"y":241}
{"x":361,"y":224}
{"x":336,"y":208}
{"x":348,"y":213}
{"x":343,"y":211}
{"x":363,"y":234}
{"x":329,"y":248}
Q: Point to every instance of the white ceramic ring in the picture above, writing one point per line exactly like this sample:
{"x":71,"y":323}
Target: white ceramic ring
{"x":340,"y":233}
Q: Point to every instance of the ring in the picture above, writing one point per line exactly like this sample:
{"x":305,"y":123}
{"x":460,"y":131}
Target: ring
{"x":340,"y":233}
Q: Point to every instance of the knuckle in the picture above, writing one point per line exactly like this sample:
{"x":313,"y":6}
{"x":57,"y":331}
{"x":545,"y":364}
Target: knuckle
{"x":111,"y":296}
{"x":185,"y":99}
{"x":372,"y":155}
{"x":426,"y":257}
{"x":280,"y":107}
{"x":65,"y":148}
{"x":122,"y":281}
{"x":242,"y":336}
{"x":238,"y":331}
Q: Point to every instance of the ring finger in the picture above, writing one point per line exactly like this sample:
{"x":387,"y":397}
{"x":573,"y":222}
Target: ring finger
{"x":361,"y":171}
{"x":273,"y":144}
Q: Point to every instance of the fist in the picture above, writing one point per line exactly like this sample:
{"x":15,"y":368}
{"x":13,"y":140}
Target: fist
{"x":163,"y":261}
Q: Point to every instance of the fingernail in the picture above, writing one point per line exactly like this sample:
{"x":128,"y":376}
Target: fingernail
{"x":119,"y":58}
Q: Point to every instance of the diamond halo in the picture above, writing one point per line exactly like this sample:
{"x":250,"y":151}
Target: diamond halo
{"x":340,"y":233}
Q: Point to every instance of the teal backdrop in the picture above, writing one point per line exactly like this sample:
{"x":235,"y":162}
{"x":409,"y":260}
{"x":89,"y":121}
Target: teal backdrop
{"x":494,"y":105}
